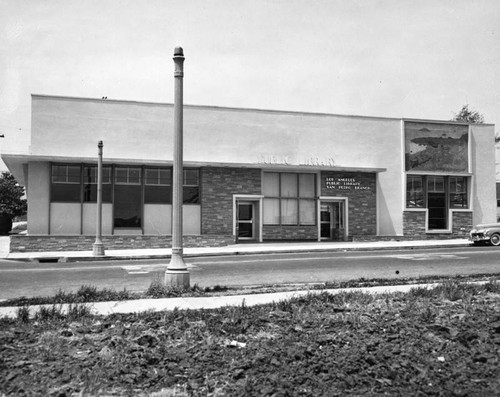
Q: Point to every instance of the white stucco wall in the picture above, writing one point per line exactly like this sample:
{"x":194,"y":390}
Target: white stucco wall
{"x":483,"y":168}
{"x":89,"y":218}
{"x":158,"y":219}
{"x":38,"y":196}
{"x":65,"y":218}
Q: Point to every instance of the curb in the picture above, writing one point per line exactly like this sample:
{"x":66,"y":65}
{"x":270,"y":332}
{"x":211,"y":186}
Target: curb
{"x":86,"y":258}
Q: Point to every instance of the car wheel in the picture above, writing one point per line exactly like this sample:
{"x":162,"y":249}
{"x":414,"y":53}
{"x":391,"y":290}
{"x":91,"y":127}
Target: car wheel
{"x":495,"y":239}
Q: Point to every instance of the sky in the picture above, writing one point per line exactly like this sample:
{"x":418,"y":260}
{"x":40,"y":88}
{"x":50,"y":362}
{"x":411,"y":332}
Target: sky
{"x":389,"y":58}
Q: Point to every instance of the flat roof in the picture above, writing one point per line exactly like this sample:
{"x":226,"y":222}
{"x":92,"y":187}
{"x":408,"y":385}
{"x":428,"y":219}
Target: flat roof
{"x":19,"y":159}
{"x":254,"y":110}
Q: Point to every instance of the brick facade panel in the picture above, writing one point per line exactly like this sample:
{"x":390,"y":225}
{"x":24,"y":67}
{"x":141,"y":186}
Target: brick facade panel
{"x":218,"y":185}
{"x":414,"y":225}
{"x":272,"y":232}
{"x":361,"y":190}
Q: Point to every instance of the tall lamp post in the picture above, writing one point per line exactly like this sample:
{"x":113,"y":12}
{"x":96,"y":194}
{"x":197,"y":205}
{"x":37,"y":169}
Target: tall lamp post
{"x":98,"y":247}
{"x":177,"y":274}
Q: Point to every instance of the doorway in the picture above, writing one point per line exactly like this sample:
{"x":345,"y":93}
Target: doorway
{"x":245,"y":221}
{"x":332,"y":221}
{"x":436,"y":203}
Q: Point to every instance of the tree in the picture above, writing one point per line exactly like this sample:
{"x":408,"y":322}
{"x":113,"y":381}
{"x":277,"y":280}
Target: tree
{"x":11,"y":202}
{"x":471,"y":116}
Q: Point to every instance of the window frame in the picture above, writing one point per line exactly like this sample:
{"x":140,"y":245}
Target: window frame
{"x":128,"y":168}
{"x":150,"y":187}
{"x":186,"y":186}
{"x":107,"y":183}
{"x":296,"y":197}
{"x":66,"y":184}
{"x":447,"y":182}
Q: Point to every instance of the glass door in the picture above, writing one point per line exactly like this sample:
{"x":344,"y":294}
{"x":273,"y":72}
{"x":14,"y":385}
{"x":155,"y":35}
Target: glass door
{"x":436,"y":203}
{"x":245,"y":222}
{"x":332,"y":221}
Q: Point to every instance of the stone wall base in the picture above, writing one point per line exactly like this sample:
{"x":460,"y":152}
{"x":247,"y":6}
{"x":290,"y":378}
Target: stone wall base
{"x":433,"y":236}
{"x":25,"y":243}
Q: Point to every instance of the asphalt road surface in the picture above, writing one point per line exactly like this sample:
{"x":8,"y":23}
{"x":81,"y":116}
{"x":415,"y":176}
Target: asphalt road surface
{"x":42,"y":279}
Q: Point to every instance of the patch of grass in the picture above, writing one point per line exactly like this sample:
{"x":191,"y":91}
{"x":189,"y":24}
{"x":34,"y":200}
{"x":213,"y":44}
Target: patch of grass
{"x":53,"y":313}
{"x":23,"y":314}
{"x":85,"y":294}
{"x":158,"y":289}
{"x":493,"y":286}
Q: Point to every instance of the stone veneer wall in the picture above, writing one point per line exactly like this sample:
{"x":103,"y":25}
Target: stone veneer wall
{"x":218,"y":185}
{"x":414,"y":225}
{"x":462,"y":224}
{"x":25,"y":243}
{"x":362,"y":211}
{"x":277,"y":232}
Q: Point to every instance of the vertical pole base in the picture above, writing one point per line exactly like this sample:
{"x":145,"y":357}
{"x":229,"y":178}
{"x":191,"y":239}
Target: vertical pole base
{"x":177,"y":278}
{"x":98,"y":249}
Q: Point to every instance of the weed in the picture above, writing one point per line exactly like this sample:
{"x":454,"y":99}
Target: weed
{"x":49,"y":313}
{"x":158,"y":289}
{"x":493,"y":286}
{"x":23,"y":314}
{"x":421,"y":292}
{"x":78,"y":311}
{"x":216,"y":288}
{"x":426,"y":314}
{"x":92,"y":380}
{"x":49,"y":344}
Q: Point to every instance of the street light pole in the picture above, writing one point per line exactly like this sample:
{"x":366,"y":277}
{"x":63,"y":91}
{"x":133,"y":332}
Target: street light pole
{"x":98,"y":247}
{"x":177,"y":274}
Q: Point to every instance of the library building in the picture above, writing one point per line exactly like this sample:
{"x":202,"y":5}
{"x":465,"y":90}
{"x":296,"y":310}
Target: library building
{"x":249,"y":176}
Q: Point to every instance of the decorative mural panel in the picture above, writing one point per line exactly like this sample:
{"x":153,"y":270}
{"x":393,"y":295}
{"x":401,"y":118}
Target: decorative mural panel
{"x":436,"y":147}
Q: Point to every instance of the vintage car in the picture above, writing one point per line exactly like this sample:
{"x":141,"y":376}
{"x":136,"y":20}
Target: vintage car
{"x":487,"y":233}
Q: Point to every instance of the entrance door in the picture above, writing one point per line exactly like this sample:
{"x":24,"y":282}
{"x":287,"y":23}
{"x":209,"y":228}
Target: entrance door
{"x":246,"y":221}
{"x":332,"y":221}
{"x":436,"y":202}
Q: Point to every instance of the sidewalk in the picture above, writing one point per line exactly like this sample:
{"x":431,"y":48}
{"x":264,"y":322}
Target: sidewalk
{"x":236,"y":249}
{"x":212,"y":302}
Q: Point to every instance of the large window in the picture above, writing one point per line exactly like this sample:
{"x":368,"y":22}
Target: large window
{"x":438,"y":194}
{"x":158,"y":186}
{"x":128,"y":197}
{"x":66,"y":183}
{"x":414,"y":192}
{"x":289,"y":198}
{"x":458,"y":192}
{"x":191,"y":186}
{"x":90,"y":184}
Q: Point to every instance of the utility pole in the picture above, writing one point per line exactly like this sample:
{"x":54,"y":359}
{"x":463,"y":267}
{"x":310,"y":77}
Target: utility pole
{"x":177,"y":274}
{"x":98,"y":247}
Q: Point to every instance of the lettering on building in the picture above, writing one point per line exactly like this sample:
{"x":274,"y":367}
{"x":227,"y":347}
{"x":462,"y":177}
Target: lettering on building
{"x":344,"y":184}
{"x":289,"y":160}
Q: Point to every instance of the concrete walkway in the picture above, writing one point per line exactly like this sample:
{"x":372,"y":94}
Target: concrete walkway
{"x":212,"y":302}
{"x":237,"y":249}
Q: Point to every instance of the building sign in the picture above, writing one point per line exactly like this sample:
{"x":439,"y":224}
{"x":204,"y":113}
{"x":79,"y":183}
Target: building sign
{"x":290,"y":160}
{"x":344,"y":184}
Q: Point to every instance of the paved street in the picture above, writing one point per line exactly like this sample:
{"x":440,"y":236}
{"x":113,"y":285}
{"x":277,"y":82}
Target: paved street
{"x":35,"y":279}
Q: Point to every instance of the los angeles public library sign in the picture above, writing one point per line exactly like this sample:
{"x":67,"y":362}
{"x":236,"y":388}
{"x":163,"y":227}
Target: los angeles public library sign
{"x":339,"y":183}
